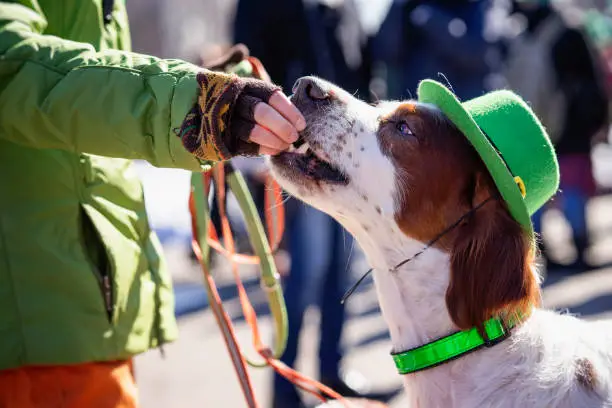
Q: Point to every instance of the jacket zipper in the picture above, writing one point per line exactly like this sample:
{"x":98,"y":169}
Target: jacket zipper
{"x":99,"y":262}
{"x":107,"y":292}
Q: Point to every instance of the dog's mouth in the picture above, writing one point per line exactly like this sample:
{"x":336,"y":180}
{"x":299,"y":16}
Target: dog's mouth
{"x":304,"y":161}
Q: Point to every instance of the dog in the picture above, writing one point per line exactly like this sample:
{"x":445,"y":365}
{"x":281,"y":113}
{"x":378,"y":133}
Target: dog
{"x":396,"y":175}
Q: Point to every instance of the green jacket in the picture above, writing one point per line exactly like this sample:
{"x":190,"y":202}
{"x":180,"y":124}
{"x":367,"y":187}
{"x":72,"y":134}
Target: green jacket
{"x":82,"y":277}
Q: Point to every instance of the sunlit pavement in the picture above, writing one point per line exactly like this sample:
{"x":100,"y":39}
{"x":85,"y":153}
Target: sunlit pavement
{"x":196,"y":371}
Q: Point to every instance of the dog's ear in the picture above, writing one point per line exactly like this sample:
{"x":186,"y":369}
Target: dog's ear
{"x":490,"y":262}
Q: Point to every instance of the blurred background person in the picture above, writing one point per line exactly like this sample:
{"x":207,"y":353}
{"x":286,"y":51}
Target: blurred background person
{"x":294,"y":38}
{"x":598,"y":24}
{"x":421,"y":38}
{"x":553,"y":65}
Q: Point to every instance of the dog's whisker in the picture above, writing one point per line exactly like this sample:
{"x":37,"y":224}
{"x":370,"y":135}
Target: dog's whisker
{"x":284,"y":201}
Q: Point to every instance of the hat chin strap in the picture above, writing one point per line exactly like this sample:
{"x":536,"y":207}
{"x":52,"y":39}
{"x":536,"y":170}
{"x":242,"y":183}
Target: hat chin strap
{"x":427,"y":246}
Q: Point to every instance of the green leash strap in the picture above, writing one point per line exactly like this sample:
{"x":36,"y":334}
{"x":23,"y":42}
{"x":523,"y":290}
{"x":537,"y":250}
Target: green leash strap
{"x":201,"y":211}
{"x":269,"y":275}
{"x":452,"y":346}
{"x":259,"y":242}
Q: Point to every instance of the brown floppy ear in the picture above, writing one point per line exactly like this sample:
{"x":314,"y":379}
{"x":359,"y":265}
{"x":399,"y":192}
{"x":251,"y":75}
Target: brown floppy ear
{"x":490,"y":263}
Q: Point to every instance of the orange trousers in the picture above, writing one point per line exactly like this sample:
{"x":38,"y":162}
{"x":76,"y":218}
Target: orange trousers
{"x":91,"y":385}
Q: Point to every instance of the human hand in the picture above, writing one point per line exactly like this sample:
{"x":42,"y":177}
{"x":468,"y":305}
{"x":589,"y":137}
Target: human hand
{"x":239,"y":116}
{"x":263,"y":121}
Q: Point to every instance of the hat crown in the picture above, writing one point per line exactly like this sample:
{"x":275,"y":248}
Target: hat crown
{"x":511,"y":142}
{"x":521,"y":142}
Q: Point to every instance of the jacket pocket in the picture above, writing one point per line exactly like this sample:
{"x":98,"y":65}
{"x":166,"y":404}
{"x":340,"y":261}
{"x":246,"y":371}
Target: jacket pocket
{"x":96,"y":251}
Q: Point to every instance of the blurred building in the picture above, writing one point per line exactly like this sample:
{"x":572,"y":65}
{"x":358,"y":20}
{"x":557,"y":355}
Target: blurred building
{"x":182,"y":29}
{"x":187,"y":28}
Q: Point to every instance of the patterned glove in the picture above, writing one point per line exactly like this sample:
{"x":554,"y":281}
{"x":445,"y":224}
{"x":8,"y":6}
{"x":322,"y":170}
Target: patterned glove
{"x":218,"y":126}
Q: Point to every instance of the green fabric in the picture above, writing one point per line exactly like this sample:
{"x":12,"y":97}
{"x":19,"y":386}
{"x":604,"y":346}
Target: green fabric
{"x":599,"y":27}
{"x":510,"y":141}
{"x":71,"y":208}
{"x":450,"y":347}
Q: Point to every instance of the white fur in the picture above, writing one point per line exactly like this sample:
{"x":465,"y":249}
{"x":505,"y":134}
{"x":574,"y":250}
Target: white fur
{"x":535,"y":367}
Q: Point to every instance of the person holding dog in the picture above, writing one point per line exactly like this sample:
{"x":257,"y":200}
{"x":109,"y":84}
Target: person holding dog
{"x":83,"y":285}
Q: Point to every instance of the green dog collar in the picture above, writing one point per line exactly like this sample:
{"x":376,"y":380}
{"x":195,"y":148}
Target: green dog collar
{"x":452,"y":346}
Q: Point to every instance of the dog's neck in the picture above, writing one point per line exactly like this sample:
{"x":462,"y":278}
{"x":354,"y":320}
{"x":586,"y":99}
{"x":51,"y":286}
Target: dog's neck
{"x":412,"y":298}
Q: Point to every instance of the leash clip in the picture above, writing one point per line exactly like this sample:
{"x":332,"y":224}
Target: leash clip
{"x":270,"y":288}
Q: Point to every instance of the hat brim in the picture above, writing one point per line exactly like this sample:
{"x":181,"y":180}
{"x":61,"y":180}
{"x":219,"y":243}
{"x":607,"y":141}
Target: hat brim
{"x":435,"y":93}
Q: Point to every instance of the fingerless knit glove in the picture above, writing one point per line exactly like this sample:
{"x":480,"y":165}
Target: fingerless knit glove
{"x":218,"y":126}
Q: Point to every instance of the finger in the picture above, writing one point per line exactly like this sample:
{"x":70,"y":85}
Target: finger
{"x":269,"y":118}
{"x":265,"y":150}
{"x":283,"y":105}
{"x":264,"y":137}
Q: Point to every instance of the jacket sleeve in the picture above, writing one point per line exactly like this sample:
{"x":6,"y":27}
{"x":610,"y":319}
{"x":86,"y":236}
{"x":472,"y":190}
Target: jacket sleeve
{"x":60,"y":94}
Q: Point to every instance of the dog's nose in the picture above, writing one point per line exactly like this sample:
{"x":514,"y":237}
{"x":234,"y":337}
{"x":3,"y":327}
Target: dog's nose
{"x":310,"y":88}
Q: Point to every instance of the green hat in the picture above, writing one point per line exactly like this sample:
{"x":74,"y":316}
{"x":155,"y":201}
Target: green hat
{"x":510,"y":141}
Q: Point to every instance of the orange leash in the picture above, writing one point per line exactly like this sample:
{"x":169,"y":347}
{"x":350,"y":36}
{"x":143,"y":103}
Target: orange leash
{"x":223,"y":320}
{"x":274,"y":214}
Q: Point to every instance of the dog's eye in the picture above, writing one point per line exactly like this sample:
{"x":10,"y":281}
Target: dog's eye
{"x":404,"y":129}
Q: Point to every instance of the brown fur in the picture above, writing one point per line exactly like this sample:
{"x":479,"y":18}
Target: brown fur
{"x":443,"y":178}
{"x":585,"y":374}
{"x":430,"y":164}
{"x":490,"y":266}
